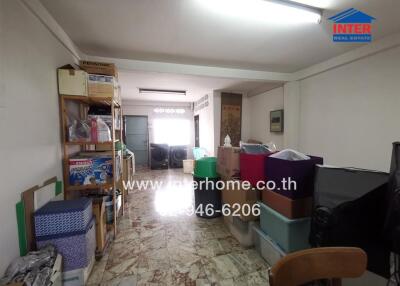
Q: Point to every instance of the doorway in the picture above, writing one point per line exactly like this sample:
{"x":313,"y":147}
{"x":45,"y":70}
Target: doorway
{"x":137,"y":138}
{"x":196,"y":131}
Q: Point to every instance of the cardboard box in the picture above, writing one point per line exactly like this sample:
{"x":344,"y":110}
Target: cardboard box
{"x":232,"y":195}
{"x":72,"y":81}
{"x":99,"y":210}
{"x":99,"y":68}
{"x":81,"y":171}
{"x":228,"y":162}
{"x":102,"y":86}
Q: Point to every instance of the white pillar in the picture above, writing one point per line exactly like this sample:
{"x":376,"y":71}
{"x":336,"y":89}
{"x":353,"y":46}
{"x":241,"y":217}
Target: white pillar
{"x":291,"y":103}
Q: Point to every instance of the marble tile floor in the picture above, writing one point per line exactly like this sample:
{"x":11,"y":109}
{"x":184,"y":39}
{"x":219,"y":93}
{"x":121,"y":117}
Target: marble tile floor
{"x":160,"y":243}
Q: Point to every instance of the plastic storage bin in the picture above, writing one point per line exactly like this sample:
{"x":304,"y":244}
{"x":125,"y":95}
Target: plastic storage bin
{"x":76,"y":248}
{"x":205,"y":194}
{"x":291,"y":209}
{"x":188,"y":166}
{"x":252,"y":167}
{"x":78,"y":277}
{"x":302,"y":172}
{"x":109,"y":210}
{"x":290,"y":235}
{"x":264,"y":245}
{"x":206,"y":168}
{"x":58,"y":217}
{"x":241,"y":230}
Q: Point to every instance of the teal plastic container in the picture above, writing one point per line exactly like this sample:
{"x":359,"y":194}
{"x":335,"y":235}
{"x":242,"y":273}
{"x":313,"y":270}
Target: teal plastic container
{"x":290,"y":234}
{"x":266,"y":247}
{"x":206,"y":168}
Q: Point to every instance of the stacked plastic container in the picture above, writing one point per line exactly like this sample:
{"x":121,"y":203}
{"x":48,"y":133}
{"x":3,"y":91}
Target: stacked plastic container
{"x":206,"y":195}
{"x":286,"y":209}
{"x":70,"y":227}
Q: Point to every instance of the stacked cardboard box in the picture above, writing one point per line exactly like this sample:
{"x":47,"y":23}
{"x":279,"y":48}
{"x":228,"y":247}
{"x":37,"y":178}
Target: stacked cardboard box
{"x":72,"y":81}
{"x":102,"y":79}
{"x":240,"y":198}
{"x":228,"y":163}
{"x":99,"y":68}
{"x":93,"y":79}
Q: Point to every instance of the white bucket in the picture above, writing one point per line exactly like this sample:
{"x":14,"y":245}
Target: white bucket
{"x":188,"y":166}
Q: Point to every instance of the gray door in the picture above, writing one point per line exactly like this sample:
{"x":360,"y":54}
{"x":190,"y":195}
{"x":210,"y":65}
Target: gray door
{"x":136,"y":137}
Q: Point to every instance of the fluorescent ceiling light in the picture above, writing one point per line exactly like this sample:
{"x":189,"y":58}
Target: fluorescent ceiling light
{"x":274,"y":11}
{"x":158,"y":91}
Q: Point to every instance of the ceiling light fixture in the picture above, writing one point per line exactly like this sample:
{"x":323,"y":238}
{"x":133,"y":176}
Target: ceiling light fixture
{"x":274,"y":11}
{"x":162,"y":91}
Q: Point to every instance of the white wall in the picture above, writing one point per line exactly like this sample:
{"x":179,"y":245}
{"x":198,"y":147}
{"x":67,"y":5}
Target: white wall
{"x":146,"y":108}
{"x":259,"y":108}
{"x":351,"y":115}
{"x":30,"y":150}
{"x":206,"y":126}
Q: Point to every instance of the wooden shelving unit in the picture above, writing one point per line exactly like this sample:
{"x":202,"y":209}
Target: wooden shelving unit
{"x":79,"y":106}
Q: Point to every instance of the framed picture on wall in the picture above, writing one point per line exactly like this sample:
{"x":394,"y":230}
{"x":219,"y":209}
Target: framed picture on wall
{"x":276,"y":121}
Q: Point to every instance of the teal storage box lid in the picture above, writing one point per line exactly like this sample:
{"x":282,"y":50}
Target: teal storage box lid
{"x":206,"y":167}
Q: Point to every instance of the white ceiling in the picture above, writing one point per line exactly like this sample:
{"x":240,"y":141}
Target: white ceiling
{"x":195,"y":86}
{"x":183,"y":31}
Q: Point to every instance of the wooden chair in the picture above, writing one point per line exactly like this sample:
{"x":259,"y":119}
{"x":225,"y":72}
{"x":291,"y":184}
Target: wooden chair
{"x":331,"y":263}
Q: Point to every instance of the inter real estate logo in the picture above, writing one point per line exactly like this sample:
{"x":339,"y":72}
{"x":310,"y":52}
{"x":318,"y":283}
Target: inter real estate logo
{"x":352,"y":26}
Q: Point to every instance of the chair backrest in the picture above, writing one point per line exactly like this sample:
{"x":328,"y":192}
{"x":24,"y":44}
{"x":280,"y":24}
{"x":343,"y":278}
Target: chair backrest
{"x":314,"y":264}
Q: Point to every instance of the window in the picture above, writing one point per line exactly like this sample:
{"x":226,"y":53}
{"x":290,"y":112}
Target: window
{"x":171,"y":131}
{"x":170,"y":110}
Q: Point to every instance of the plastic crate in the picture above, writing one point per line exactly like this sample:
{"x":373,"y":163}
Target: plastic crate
{"x":241,"y":230}
{"x":76,"y":248}
{"x":290,"y":235}
{"x":58,"y":217}
{"x":267,"y":248}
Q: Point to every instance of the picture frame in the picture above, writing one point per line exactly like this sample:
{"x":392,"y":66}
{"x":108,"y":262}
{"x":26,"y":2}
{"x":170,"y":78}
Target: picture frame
{"x":276,"y":121}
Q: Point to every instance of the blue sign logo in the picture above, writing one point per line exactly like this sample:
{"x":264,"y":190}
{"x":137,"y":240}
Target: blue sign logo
{"x":352,"y":26}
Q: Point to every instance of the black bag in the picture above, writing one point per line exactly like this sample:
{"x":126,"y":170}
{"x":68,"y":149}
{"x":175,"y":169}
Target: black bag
{"x":392,"y":222}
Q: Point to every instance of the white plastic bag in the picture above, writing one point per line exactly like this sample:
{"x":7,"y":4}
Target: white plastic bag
{"x":290,"y":155}
{"x":103,"y":131}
